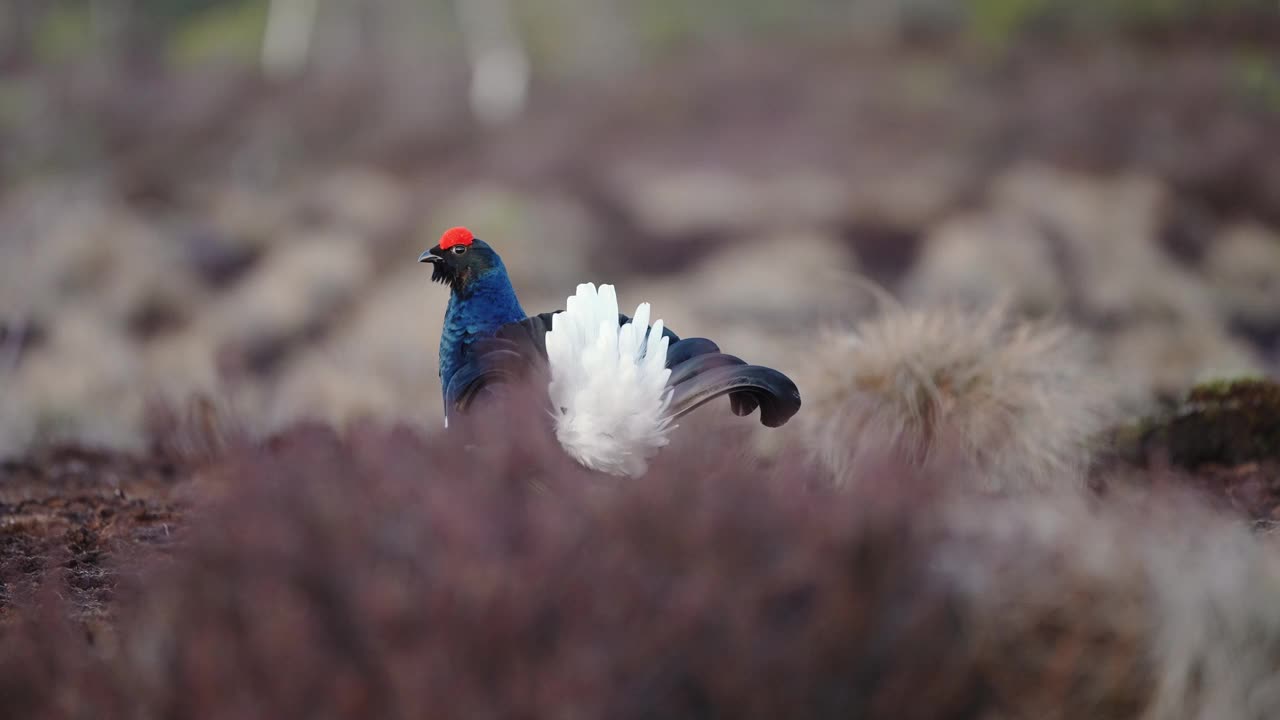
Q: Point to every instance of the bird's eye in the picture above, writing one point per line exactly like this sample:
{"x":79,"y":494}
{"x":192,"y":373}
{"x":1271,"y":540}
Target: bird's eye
{"x":459,"y":249}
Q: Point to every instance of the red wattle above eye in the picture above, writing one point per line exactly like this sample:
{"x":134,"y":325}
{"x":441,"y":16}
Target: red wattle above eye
{"x":456,"y":236}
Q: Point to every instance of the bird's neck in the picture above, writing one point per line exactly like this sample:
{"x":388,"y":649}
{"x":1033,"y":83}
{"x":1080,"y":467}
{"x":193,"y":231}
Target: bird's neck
{"x":488,"y":300}
{"x":476,"y":311}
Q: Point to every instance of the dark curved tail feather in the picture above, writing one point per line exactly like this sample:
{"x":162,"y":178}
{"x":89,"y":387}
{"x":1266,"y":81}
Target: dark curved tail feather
{"x":777,"y":397}
{"x":699,"y":372}
{"x":699,"y":364}
{"x":679,"y":351}
{"x":702,"y":373}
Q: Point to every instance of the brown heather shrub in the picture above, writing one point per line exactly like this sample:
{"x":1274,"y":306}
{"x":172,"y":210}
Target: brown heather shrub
{"x":1013,"y":403}
{"x":52,"y":668}
{"x":481,"y":574}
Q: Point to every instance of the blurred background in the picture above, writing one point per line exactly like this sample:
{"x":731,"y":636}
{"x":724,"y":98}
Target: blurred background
{"x":225,"y":198}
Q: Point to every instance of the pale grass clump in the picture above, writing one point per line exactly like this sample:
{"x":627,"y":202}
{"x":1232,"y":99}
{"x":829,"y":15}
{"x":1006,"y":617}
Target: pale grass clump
{"x":1149,"y":605}
{"x":1013,"y":402}
{"x":1217,"y":588}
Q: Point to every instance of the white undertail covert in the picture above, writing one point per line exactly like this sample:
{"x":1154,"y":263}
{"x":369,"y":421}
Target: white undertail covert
{"x":608,"y":386}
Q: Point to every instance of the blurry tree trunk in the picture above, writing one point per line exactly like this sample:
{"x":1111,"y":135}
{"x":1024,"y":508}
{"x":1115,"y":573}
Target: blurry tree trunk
{"x":286,"y":42}
{"x":499,"y":62}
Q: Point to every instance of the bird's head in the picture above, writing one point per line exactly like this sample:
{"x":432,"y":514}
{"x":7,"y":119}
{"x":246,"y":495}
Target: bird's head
{"x":460,"y":259}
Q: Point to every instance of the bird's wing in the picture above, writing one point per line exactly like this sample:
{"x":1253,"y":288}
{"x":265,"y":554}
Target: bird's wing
{"x":699,"y":372}
{"x":494,"y":361}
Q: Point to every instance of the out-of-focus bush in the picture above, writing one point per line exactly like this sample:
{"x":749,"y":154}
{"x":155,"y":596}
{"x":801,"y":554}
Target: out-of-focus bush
{"x":483,"y":574}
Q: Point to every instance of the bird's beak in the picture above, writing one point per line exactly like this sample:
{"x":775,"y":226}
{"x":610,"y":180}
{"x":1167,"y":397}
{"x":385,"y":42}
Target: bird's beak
{"x":431,"y":256}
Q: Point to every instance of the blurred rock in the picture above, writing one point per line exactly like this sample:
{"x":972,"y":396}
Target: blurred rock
{"x":1243,"y":267}
{"x":776,"y":281}
{"x":1060,"y":243}
{"x":299,"y":288}
{"x":1164,"y":359}
{"x":320,"y":388}
{"x":93,"y":252}
{"x":1106,"y":236}
{"x":389,"y":346}
{"x":760,"y":298}
{"x":84,"y":384}
{"x":911,"y":195}
{"x":672,"y":203}
{"x":676,"y":202}
{"x":182,"y":365}
{"x":1055,"y":241}
{"x":984,"y":258}
{"x":242,"y":216}
{"x":801,"y":199}
{"x":364,"y":202}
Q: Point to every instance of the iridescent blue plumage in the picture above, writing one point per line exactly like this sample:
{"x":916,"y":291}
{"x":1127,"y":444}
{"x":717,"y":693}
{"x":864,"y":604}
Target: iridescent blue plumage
{"x":476,"y":310}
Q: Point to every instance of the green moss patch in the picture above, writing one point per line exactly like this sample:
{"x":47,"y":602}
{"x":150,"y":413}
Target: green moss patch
{"x":1226,"y":422}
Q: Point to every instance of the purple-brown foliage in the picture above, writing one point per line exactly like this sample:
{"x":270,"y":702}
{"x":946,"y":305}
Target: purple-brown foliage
{"x":382,"y":575}
{"x":482,"y":574}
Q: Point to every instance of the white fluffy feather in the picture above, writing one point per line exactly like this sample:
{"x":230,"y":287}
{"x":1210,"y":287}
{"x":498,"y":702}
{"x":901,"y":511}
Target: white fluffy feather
{"x":608,"y":385}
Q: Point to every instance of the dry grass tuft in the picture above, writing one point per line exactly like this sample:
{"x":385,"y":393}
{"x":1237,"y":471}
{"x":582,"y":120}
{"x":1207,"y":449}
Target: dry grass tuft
{"x":1013,"y":402}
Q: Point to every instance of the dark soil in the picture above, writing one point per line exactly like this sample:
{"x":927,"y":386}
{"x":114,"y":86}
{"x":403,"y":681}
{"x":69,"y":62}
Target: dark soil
{"x":67,"y":513}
